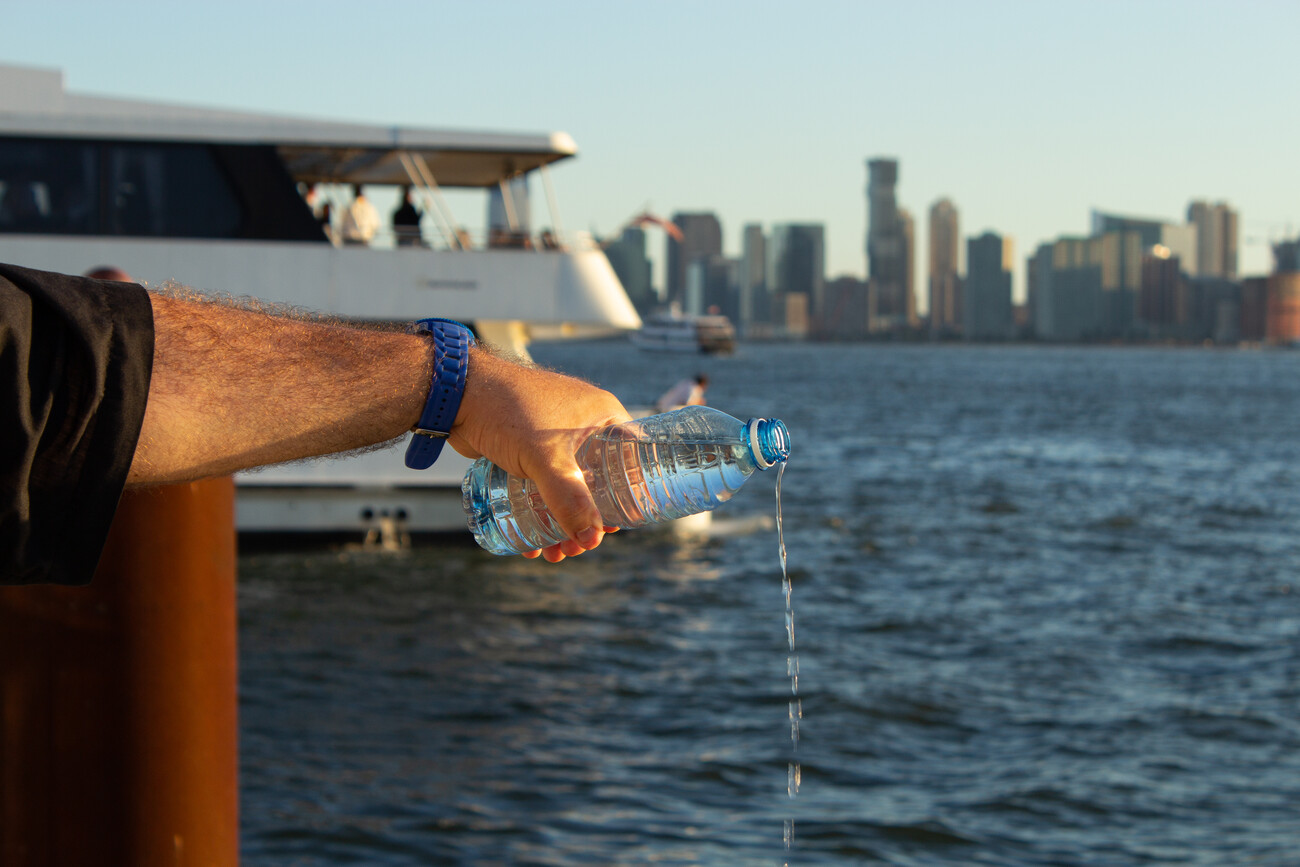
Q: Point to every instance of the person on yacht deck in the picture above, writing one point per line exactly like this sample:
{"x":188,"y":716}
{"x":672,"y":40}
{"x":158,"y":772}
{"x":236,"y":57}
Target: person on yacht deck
{"x":406,"y":221}
{"x":360,"y":220}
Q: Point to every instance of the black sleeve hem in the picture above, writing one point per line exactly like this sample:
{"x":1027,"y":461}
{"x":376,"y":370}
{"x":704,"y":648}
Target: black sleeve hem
{"x":75,"y":361}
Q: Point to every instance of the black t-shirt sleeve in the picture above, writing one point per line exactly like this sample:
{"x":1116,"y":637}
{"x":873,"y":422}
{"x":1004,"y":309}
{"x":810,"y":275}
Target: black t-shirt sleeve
{"x":75,"y":360}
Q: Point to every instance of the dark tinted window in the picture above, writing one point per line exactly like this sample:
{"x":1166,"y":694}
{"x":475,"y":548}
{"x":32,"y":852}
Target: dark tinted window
{"x":168,"y":190}
{"x":115,"y":188}
{"x":49,"y":186}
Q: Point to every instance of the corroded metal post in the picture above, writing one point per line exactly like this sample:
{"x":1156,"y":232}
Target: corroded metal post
{"x":118,"y":738}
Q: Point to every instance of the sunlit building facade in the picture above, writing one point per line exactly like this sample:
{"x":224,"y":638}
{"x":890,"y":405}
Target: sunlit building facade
{"x":1216,"y":239}
{"x":1284,"y":308}
{"x":945,"y":269}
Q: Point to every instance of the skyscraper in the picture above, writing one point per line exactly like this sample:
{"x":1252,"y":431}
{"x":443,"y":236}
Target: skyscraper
{"x":909,"y":265}
{"x":1038,"y":276}
{"x":701,"y":240}
{"x":1162,"y":299}
{"x":1216,"y":239}
{"x":752,"y":280}
{"x":709,"y":287}
{"x":1121,"y":280}
{"x":945,"y":287}
{"x":797,"y":266}
{"x":987,"y":311}
{"x":1067,"y":277}
{"x":846,"y":308}
{"x":888,"y":268}
{"x":628,"y":259}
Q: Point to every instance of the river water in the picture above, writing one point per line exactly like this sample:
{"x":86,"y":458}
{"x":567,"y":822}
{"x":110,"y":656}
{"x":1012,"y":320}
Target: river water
{"x":1049,"y":613}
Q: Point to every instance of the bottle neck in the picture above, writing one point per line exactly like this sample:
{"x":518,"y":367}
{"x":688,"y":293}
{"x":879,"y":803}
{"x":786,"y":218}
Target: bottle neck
{"x":769,"y":441}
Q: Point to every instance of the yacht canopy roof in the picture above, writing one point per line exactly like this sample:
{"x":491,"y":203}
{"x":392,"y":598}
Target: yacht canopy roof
{"x":33,"y":102}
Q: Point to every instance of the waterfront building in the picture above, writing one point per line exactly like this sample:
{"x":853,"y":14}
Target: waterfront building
{"x":1120,"y":255}
{"x":1068,"y":283}
{"x":1216,"y":239}
{"x":1037,"y":275}
{"x":1109,"y":285}
{"x":1286,"y":257}
{"x":945,"y":280}
{"x":627,"y":256}
{"x":701,"y":239}
{"x":1180,"y":241}
{"x":987,"y":308}
{"x":1284,"y":307}
{"x":846,"y":304}
{"x":1254,"y":308}
{"x":796,"y":264}
{"x":751,"y":279}
{"x":1193,"y":304}
{"x":888,"y":250}
{"x":1213,"y":309}
{"x":1020,"y":319}
{"x":909,"y":266}
{"x":1178,"y":238}
{"x":795,"y":315}
{"x":709,"y":287}
{"x":1162,"y":296}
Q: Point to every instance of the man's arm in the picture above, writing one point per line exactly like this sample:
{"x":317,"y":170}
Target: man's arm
{"x":233,"y":389}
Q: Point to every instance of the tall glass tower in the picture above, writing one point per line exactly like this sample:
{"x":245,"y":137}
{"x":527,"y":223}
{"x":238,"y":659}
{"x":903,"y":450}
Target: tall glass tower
{"x":945,"y":285}
{"x":888,"y":250}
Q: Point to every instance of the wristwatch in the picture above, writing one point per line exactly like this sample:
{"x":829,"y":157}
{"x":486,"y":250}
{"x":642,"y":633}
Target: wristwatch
{"x":451,"y":343}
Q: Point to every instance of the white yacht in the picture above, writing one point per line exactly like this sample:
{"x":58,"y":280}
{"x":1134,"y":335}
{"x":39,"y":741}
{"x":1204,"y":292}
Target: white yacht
{"x":674,"y":331}
{"x":216,"y":200}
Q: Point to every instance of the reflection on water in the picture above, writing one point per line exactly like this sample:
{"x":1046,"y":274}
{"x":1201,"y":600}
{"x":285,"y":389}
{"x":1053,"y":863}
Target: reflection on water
{"x":1047,"y":615}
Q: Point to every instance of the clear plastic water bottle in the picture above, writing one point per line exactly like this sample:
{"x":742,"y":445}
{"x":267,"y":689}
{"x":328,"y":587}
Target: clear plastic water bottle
{"x":640,"y":472}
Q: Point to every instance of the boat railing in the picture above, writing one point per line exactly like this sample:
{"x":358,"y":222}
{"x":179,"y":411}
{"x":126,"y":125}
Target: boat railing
{"x":478,"y":240}
{"x":439,"y":228}
{"x":513,"y":235}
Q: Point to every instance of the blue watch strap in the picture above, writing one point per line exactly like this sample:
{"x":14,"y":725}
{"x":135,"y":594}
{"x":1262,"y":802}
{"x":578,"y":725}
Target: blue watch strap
{"x":451,"y":343}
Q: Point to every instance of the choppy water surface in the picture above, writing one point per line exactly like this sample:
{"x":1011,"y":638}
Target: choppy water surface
{"x":1049,"y":613}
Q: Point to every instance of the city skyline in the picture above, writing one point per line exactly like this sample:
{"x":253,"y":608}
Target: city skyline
{"x":1027,"y":117}
{"x":1129,"y":279}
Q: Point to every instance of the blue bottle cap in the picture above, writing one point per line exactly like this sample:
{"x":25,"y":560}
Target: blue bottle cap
{"x":769,"y":441}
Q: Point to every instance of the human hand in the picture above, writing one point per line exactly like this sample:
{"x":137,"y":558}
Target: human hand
{"x":530,"y":422}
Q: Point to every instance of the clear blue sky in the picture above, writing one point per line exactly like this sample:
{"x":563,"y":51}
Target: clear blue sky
{"x":1026,"y":114}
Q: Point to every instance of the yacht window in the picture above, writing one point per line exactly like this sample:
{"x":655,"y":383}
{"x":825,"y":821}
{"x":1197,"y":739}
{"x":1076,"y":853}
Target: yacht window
{"x":48,"y":187}
{"x":168,"y":191}
{"x":66,"y":187}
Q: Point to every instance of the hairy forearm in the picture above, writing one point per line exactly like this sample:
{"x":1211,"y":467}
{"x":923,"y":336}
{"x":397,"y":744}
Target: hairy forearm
{"x":233,"y":389}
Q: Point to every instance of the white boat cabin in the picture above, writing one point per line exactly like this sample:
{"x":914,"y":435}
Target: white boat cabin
{"x":219,"y":200}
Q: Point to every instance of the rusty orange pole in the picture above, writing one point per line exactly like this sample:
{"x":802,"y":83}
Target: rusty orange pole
{"x":118,"y":728}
